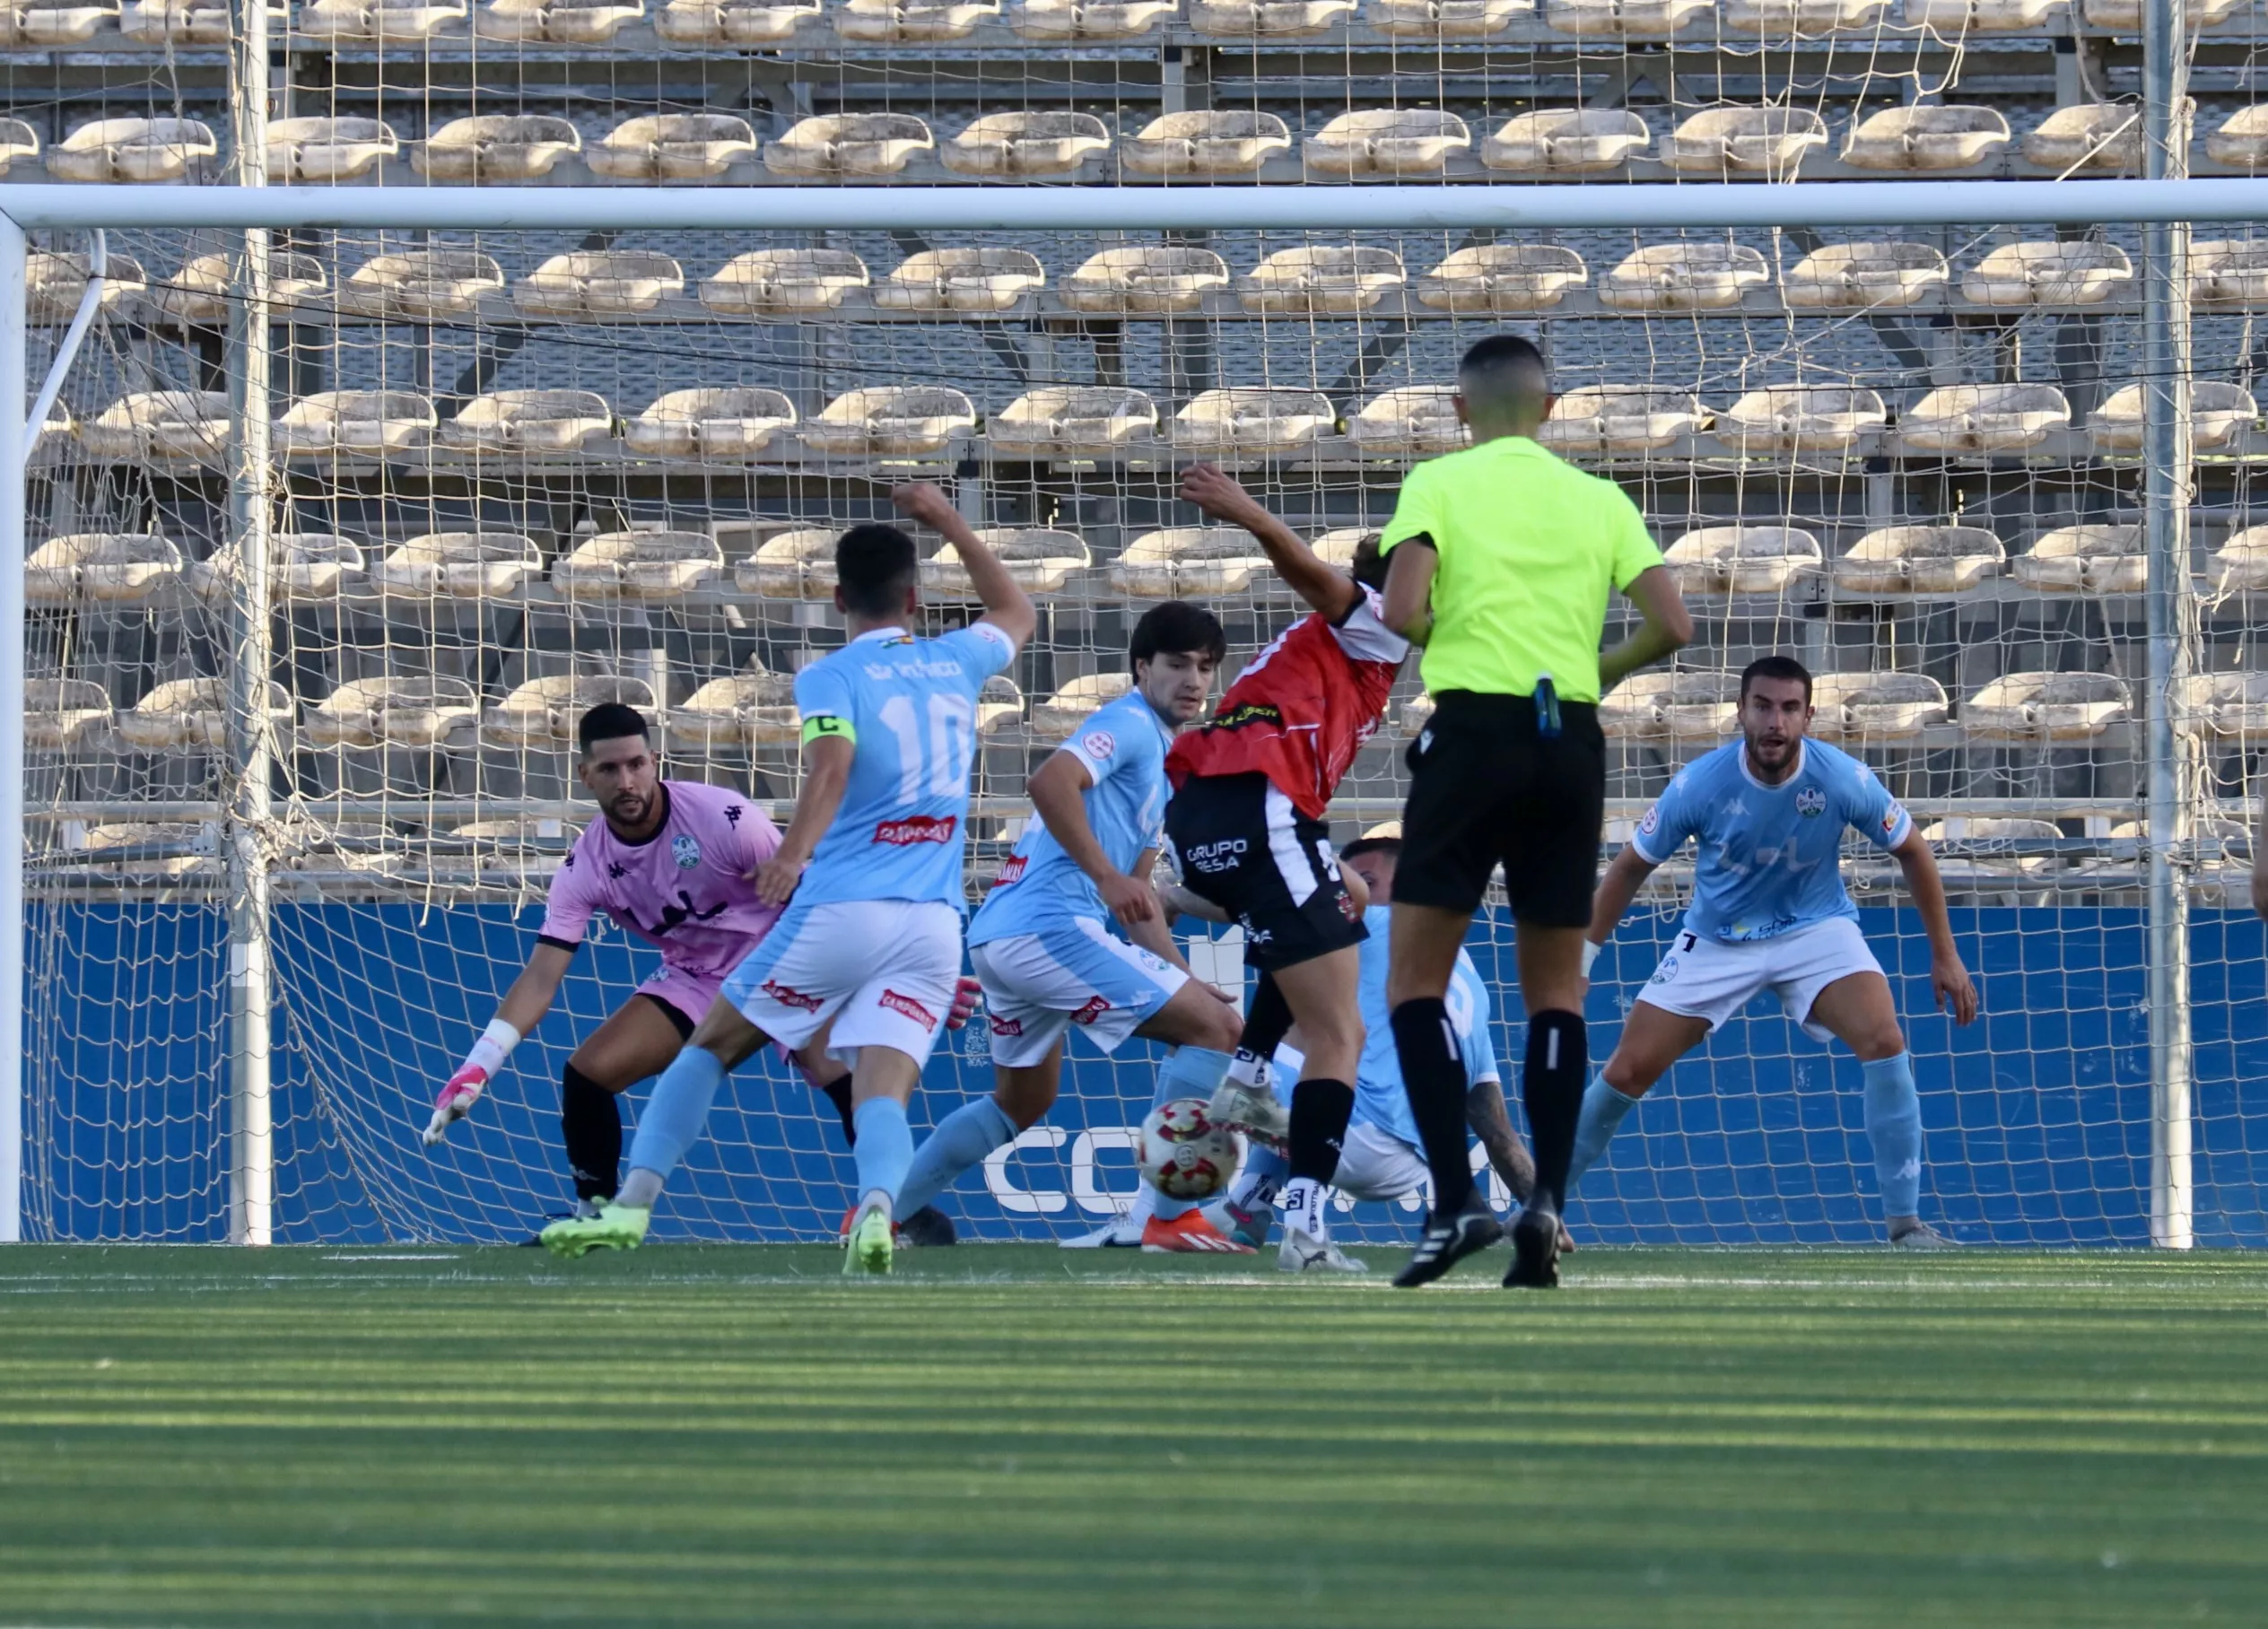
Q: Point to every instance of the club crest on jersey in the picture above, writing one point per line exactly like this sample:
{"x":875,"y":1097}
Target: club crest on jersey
{"x":1664,"y":973}
{"x":916,"y":829}
{"x":1653,"y":822}
{"x":686,"y":849}
{"x":906,"y":1006}
{"x":1890,"y":818}
{"x":1100,"y":744}
{"x":1810,"y":802}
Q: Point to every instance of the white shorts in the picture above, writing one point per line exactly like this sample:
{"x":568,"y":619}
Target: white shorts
{"x":886,"y":971}
{"x":1036,"y":985}
{"x":1376,"y":1164}
{"x":1702,"y":979}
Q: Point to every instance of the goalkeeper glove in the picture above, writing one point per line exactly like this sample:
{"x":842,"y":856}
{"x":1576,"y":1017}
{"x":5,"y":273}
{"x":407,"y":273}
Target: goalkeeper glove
{"x":965,"y":996}
{"x":472,"y":1077}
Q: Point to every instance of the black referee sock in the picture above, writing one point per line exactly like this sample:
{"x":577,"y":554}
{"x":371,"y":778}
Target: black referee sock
{"x":1551,"y":1087}
{"x":1321,"y":1111}
{"x":590,"y":1125}
{"x":1265,"y":1023}
{"x":1433,"y":1073}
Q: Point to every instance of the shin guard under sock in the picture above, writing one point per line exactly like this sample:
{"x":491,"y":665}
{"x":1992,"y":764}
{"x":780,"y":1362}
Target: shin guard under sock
{"x":1433,"y":1074}
{"x":590,"y":1127}
{"x":1321,"y":1109}
{"x":1551,"y":1087}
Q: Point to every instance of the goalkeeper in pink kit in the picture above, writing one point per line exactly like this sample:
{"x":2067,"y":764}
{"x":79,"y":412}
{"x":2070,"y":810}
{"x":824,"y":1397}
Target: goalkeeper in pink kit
{"x":672,"y":862}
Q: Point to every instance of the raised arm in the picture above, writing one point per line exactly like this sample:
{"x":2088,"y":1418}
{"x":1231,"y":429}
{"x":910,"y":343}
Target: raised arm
{"x":1949,"y":983}
{"x":1410,"y":588}
{"x":827,"y":771}
{"x":1611,"y":902}
{"x":1006,"y":606}
{"x":1059,"y":794}
{"x":1666,"y":630}
{"x":1305,"y":573}
{"x":521,"y":1010}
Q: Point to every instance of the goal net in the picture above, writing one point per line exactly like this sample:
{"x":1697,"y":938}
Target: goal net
{"x":515,"y":474}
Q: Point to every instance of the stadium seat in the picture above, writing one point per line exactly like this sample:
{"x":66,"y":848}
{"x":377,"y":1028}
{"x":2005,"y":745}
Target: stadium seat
{"x":1064,"y":19}
{"x":199,"y":293}
{"x":543,"y":713}
{"x":459,"y":565}
{"x":1991,"y":832}
{"x":1684,"y":277}
{"x":1954,"y":18}
{"x":2241,"y":142}
{"x":530,"y":421}
{"x":2085,"y":560}
{"x":1983,"y":418}
{"x":34,"y":27}
{"x":2218,"y":414}
{"x":1252,"y":420}
{"x":1072,"y":420}
{"x":378,"y":21}
{"x":781,"y":281}
{"x":943,"y":280}
{"x":1310,"y":281}
{"x":1920,"y":560}
{"x":497,"y":147}
{"x":168,"y":425}
{"x":2126,"y":15}
{"x":1267,"y":19}
{"x":1798,"y":19}
{"x":556,"y":22}
{"x":1860,"y":709}
{"x":2240,"y":565}
{"x":797,"y":564}
{"x":733,"y":23}
{"x":2089,"y":135}
{"x":1388,"y":140}
{"x":1185,"y":561}
{"x":594,"y":285}
{"x":1000,"y":705}
{"x":1619,"y":418}
{"x":1057,"y":716}
{"x":63,"y":715}
{"x":172,"y":22}
{"x":910,"y":21}
{"x":1742,"y":558}
{"x":18,"y":141}
{"x":2227,"y":272}
{"x":1686,"y":705}
{"x":1417,"y":420}
{"x":309,"y":566}
{"x":2053,"y":274}
{"x":55,"y":283}
{"x":315,"y":150}
{"x":514,"y":837}
{"x":742,"y":710}
{"x":424,"y":711}
{"x":2230,"y":706}
{"x":1047,"y":142}
{"x":849,"y":144}
{"x":2047,"y":707}
{"x":1632,"y":19}
{"x":1151,"y":277}
{"x":421,"y":285}
{"x":1801,"y":418}
{"x":1772,"y":141}
{"x":1446,"y":19}
{"x":638,"y":565}
{"x":1042,"y":560}
{"x":1927,"y":137}
{"x":1207,"y":142}
{"x":674,"y":147}
{"x":1845,"y":276}
{"x":887,"y":419}
{"x":728,"y":422}
{"x":1567,"y":141}
{"x":1503,"y":278}
{"x":131,"y":150}
{"x":188,"y":713}
{"x":368,"y":422}
{"x":124,"y":567}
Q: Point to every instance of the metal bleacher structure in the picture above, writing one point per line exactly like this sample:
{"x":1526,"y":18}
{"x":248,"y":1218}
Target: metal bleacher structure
{"x":512,"y":478}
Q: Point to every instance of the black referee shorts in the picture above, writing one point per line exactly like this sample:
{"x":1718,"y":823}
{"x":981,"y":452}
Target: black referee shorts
{"x":1242,"y":846}
{"x":1487,"y":788}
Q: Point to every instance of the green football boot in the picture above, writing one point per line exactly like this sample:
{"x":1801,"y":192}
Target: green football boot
{"x":615,"y":1227}
{"x":869,"y":1245}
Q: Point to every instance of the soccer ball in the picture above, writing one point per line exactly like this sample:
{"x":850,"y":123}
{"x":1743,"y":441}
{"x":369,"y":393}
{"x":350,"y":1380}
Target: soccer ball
{"x":1184,"y":1154}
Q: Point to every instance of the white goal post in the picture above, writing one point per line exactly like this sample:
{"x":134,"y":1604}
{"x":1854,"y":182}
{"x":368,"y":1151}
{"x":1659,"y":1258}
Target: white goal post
{"x":76,"y":208}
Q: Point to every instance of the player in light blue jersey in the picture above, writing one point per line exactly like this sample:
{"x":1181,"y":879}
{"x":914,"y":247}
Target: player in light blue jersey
{"x":873,"y":858}
{"x":1767,"y":814}
{"x":1072,"y":936}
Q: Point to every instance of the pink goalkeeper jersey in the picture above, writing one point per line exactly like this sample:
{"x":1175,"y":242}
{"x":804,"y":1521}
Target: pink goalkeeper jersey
{"x":684,"y":890}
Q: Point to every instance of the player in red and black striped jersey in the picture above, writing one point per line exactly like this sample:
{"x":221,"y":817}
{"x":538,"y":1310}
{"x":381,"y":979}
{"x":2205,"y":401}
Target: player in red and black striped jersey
{"x":1252,"y":788}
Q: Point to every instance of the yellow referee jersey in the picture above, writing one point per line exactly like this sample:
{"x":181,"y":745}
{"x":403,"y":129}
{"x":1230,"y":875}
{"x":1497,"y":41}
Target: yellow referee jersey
{"x":1531,"y":547}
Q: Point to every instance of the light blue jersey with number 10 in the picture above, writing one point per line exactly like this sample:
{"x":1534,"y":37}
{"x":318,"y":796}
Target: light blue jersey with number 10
{"x":908,"y":707}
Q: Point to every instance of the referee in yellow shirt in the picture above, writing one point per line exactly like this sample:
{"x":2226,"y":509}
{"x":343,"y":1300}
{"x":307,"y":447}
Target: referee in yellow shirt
{"x":1502,"y":559}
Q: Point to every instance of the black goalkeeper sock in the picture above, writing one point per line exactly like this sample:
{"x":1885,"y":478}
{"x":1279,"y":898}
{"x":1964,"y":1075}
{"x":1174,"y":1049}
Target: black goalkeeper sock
{"x":1321,"y":1109}
{"x":1551,"y":1087}
{"x":838,"y":1093}
{"x":1265,"y":1023}
{"x":591,"y":1126}
{"x":1433,"y":1074}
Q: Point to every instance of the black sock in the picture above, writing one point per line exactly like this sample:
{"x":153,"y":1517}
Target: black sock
{"x":1265,"y":1023}
{"x":1321,"y":1109}
{"x":838,"y":1093}
{"x":1433,"y":1073}
{"x":590,"y":1125}
{"x":1551,"y":1087}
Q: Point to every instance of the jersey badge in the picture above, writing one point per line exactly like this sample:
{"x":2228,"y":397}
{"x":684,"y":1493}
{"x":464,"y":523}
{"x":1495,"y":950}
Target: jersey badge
{"x":1100,"y":744}
{"x":686,"y":849}
{"x":1667,"y":971}
{"x":1890,"y":817}
{"x":1653,"y":821}
{"x":1810,"y":802}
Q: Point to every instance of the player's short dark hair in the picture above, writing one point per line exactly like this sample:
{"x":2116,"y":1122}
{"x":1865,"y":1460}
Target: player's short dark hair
{"x":1510,"y":358}
{"x":611,"y":721}
{"x":1776,"y":667}
{"x":1369,"y":566}
{"x":875,"y":564}
{"x":1177,"y":626}
{"x":1391,"y":847}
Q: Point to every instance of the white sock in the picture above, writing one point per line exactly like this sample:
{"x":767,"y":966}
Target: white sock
{"x":1144,"y":1208}
{"x":1248,"y":1069}
{"x":1301,"y":1203}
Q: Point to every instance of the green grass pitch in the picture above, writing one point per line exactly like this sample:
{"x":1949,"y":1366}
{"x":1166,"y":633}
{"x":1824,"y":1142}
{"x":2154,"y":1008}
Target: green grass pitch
{"x":1009,"y":1435}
